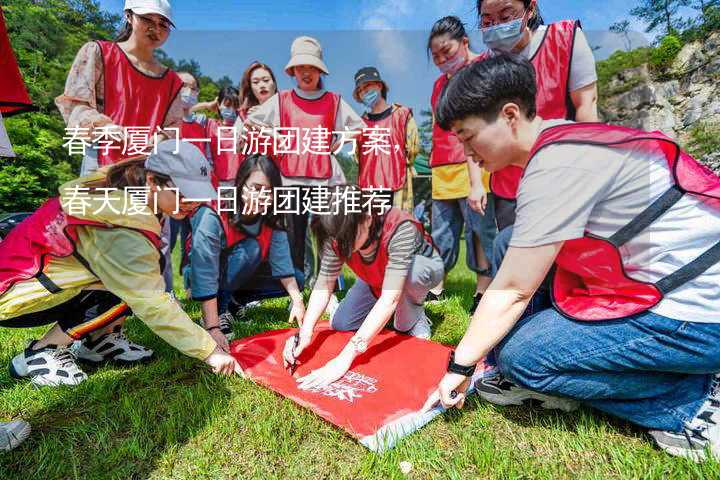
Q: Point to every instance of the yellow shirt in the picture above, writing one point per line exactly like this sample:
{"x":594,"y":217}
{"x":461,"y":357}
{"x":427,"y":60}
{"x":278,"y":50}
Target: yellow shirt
{"x":450,"y":182}
{"x":123,"y":262}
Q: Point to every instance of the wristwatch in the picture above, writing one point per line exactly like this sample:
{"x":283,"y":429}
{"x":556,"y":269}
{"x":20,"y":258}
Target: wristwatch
{"x":459,"y":369}
{"x":359,"y":344}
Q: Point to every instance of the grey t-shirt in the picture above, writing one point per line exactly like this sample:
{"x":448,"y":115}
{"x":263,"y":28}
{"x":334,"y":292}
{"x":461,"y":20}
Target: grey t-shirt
{"x":567,"y":190}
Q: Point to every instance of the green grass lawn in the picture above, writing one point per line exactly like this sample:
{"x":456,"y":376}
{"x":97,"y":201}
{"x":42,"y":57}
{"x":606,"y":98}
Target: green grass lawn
{"x":172,"y":418}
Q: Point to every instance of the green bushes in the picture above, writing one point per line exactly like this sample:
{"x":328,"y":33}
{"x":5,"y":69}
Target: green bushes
{"x":704,"y":139}
{"x":662,"y":57}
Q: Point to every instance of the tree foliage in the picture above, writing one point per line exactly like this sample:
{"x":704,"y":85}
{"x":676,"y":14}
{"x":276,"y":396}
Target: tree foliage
{"x":45,"y":36}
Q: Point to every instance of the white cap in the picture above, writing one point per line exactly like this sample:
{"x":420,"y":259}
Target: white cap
{"x":306,"y":51}
{"x":143,"y":7}
{"x":188,"y":168}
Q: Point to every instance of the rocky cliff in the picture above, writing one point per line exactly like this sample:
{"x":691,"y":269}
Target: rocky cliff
{"x":683,"y":102}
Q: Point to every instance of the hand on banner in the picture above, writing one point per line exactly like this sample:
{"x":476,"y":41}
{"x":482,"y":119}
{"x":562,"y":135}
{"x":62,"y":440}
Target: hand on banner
{"x":220,"y":339}
{"x":450,"y":392}
{"x":291,"y":351}
{"x":477,"y":200}
{"x":224,"y":364}
{"x":331,"y":372}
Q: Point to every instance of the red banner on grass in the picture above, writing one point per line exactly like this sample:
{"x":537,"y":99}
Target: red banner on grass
{"x":378,"y":401}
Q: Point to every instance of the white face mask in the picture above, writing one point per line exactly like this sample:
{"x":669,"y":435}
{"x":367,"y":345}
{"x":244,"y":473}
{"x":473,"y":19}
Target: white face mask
{"x":506,"y":36}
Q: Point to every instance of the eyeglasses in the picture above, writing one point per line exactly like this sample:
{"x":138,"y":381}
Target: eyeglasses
{"x":163,"y":25}
{"x":507,"y":15}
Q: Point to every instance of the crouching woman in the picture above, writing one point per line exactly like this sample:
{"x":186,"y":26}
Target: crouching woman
{"x":242,"y":251}
{"x":396,"y":265}
{"x":83,"y":261}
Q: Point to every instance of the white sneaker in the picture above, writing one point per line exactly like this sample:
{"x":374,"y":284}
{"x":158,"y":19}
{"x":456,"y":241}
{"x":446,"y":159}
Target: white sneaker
{"x":499,"y":390}
{"x":13,"y":434}
{"x":49,"y":366}
{"x":422,"y":328}
{"x":225,"y":322}
{"x":700,"y":437}
{"x":113,"y":346}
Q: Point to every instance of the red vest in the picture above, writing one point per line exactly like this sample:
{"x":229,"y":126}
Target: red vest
{"x":256,"y":143}
{"x":305,"y":115}
{"x":47,"y":233}
{"x":378,"y":169}
{"x":193,"y":131}
{"x":590,"y":281}
{"x":227,"y":161}
{"x":132,"y":98}
{"x":552,"y":63}
{"x":233,"y":235}
{"x":13,"y":95}
{"x":446,"y":148}
{"x":373,"y":273}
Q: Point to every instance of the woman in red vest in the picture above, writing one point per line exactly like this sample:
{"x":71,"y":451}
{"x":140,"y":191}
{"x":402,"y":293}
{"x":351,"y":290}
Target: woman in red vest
{"x":309,"y":118}
{"x":225,"y":152}
{"x":86,"y":260}
{"x":449,"y":45}
{"x":387,"y":148}
{"x":630,"y":224}
{"x":120,"y":85}
{"x":396,"y":265}
{"x":567,"y":84}
{"x":240,"y":253}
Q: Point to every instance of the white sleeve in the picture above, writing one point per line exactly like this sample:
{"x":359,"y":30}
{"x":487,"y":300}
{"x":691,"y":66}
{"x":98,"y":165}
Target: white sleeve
{"x":582,"y":67}
{"x":347,"y":118}
{"x":268,"y":113}
{"x":5,"y":147}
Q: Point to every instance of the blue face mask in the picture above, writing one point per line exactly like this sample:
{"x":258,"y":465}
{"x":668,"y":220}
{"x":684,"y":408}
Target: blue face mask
{"x":228,"y":114}
{"x":504,"y":37}
{"x":370,"y":98}
{"x":188,"y":99}
{"x":453,"y":65}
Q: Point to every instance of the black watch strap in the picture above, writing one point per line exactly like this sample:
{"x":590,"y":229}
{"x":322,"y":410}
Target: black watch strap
{"x":459,"y":369}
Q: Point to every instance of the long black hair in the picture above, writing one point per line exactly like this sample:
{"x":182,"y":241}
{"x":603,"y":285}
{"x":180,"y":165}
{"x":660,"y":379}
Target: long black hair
{"x":126,"y":30}
{"x":262,"y":163}
{"x":343,"y":227}
{"x":534,"y":22}
{"x":450,"y":25}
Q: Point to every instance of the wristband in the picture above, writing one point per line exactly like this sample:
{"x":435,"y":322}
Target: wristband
{"x":459,"y":369}
{"x":213,"y":328}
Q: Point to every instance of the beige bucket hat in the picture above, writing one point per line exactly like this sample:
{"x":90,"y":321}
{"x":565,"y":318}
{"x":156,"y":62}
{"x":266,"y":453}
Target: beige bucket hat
{"x":306,"y":51}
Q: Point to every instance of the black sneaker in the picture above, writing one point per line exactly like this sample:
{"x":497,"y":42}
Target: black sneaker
{"x":700,"y":437}
{"x":435,"y":298}
{"x":476,"y":302}
{"x":225,"y":323}
{"x":499,"y":390}
{"x":49,"y":366}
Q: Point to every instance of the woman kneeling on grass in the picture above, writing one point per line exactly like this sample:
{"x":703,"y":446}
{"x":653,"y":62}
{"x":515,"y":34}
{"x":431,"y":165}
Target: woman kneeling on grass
{"x":396,"y":265}
{"x":631,"y":224}
{"x":229,"y":247}
{"x":84,"y":260}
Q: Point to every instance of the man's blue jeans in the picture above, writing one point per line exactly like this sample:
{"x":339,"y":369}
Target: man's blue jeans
{"x":651,"y":370}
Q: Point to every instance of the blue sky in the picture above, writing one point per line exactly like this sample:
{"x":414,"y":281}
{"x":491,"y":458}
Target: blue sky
{"x":224,"y":36}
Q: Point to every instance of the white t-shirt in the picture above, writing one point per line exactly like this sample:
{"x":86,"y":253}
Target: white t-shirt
{"x":582,"y":65}
{"x":567,"y":190}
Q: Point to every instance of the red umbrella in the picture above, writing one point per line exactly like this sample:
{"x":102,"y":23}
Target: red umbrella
{"x":13,"y":94}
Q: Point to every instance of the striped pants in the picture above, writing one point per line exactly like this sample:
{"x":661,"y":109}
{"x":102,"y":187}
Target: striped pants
{"x":79,"y":316}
